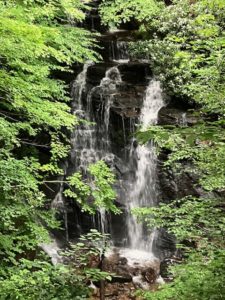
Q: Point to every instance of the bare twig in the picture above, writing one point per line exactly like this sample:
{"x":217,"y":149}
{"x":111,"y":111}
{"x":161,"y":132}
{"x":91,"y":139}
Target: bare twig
{"x":8,"y":117}
{"x":34,"y":144}
{"x":55,"y":181}
{"x":48,"y":187}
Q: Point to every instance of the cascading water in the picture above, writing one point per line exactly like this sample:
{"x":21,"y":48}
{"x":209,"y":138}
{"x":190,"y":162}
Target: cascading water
{"x":59,"y":205}
{"x":52,"y":250}
{"x":143,"y":190}
{"x":78,"y":87}
{"x":119,"y":51}
{"x":90,"y":141}
{"x":183,"y":121}
{"x":83,"y":140}
{"x":108,"y":109}
{"x":80,"y":134}
{"x":108,"y":88}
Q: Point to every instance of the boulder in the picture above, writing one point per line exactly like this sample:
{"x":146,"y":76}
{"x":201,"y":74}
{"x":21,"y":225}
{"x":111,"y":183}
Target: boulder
{"x":141,"y":274}
{"x":149,"y":274}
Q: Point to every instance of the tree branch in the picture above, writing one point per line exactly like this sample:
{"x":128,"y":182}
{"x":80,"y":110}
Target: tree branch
{"x":8,"y":117}
{"x":34,"y":144}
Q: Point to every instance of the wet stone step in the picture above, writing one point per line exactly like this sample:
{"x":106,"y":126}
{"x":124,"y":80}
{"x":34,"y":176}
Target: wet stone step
{"x":131,"y":72}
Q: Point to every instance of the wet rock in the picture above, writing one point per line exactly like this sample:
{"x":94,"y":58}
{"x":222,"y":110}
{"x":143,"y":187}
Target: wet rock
{"x":135,"y":73}
{"x":96,"y":72}
{"x":120,"y":291}
{"x":141,"y":274}
{"x":176,"y":185}
{"x":118,"y":265}
{"x":119,"y":221}
{"x":150,"y":275}
{"x":164,"y":244}
{"x":175,"y":116}
{"x":118,"y":35}
{"x":93,"y":23}
{"x":139,"y":283}
{"x":126,"y":102}
{"x":167,"y":183}
{"x":121,"y":279}
{"x":182,"y":103}
{"x":93,"y":20}
{"x":165,"y":264}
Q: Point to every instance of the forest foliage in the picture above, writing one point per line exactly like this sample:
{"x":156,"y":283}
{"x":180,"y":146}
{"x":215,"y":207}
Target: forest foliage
{"x":184,"y":42}
{"x":38,"y":41}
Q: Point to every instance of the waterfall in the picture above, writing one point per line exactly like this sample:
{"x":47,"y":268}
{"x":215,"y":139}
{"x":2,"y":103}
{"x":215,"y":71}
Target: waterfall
{"x":107,"y":87}
{"x":79,"y":86}
{"x":79,"y":156}
{"x":122,"y":50}
{"x":183,"y":121}
{"x":119,"y":51}
{"x":143,"y":190}
{"x":83,"y":139}
{"x":52,"y":250}
{"x":59,"y":205}
{"x":109,"y":98}
{"x":90,"y":140}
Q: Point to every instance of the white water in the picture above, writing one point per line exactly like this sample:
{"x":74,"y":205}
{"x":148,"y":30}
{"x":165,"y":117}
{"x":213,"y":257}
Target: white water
{"x":79,"y":86}
{"x":52,"y":250}
{"x":59,"y":204}
{"x":136,"y":257}
{"x":90,"y":141}
{"x":108,"y":86}
{"x":183,"y":121}
{"x":143,"y":190}
{"x":119,"y":51}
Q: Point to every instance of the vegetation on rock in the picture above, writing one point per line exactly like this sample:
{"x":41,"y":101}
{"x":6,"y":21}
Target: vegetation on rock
{"x":184,"y":41}
{"x":185,"y":44}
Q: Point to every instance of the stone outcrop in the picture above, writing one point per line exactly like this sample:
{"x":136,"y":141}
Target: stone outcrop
{"x":127,"y":278}
{"x":175,"y":116}
{"x":125,"y":109}
{"x":119,"y":265}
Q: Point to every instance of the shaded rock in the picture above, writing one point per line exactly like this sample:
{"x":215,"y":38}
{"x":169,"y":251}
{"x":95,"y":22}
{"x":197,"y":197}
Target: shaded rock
{"x":141,"y":274}
{"x":140,"y":283}
{"x":127,"y":99}
{"x":121,"y":279}
{"x":165,"y":264}
{"x":149,"y":274}
{"x":175,"y":116}
{"x":120,"y":291}
{"x":164,"y":244}
{"x":176,"y":185}
{"x":182,"y":103}
{"x":118,"y":35}
{"x":135,"y":72}
{"x":96,"y":72}
{"x":141,"y":70}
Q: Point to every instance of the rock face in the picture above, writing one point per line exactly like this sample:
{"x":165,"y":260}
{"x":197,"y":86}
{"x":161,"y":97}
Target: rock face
{"x":128,"y":95}
{"x":175,"y":116}
{"x":122,"y":100}
{"x":173,"y":186}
